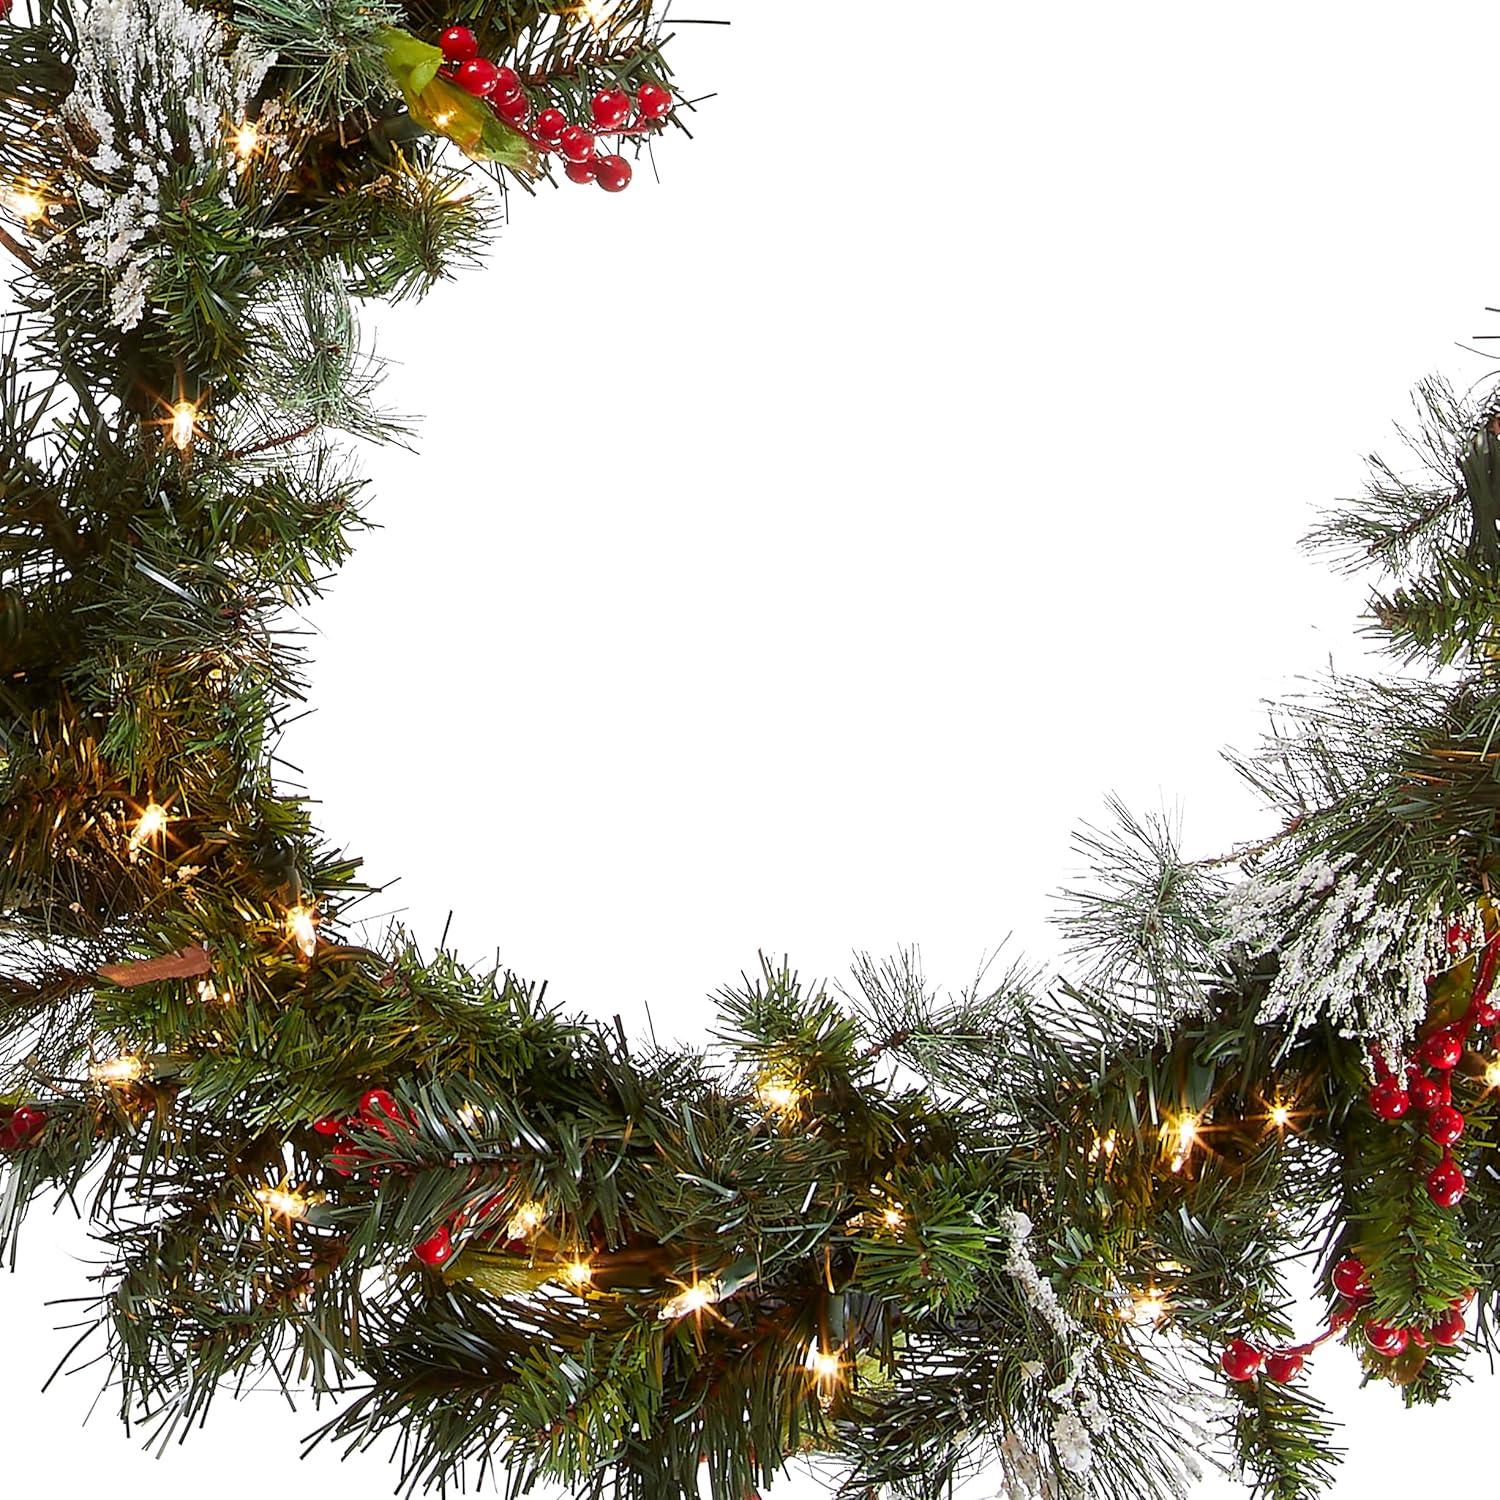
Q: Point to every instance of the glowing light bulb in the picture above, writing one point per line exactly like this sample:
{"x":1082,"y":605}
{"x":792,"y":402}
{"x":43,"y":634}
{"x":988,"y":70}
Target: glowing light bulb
{"x":1149,"y":1306}
{"x":117,"y":1072}
{"x":595,"y":12}
{"x":1280,"y":1116}
{"x":1492,"y":1073}
{"x":779,"y":1095}
{"x":27,"y":204}
{"x":525,"y":1222}
{"x":691,"y":1299}
{"x":302,"y":929}
{"x":578,"y":1274}
{"x":824,"y":1363}
{"x":184,"y":425}
{"x":151,"y":823}
{"x":282,"y":1201}
{"x":1184,"y":1136}
{"x":1104,"y":1145}
{"x":246,"y":139}
{"x":893,"y":1218}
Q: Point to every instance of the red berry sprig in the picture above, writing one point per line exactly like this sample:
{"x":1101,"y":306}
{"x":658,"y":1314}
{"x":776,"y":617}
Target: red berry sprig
{"x":21,"y":1127}
{"x":612,"y":111}
{"x":1243,"y":1361}
{"x":1427,"y":1086}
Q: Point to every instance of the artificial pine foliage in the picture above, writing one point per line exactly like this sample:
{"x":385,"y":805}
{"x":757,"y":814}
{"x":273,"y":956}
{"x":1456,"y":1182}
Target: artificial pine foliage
{"x":1038,"y":1229}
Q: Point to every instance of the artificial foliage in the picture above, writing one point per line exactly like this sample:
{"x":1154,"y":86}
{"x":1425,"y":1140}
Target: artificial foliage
{"x":1038,"y":1230}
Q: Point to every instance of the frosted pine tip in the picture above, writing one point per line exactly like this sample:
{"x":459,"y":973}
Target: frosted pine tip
{"x":302,"y":929}
{"x":117,"y":1072}
{"x":282,"y":1201}
{"x":152,"y":821}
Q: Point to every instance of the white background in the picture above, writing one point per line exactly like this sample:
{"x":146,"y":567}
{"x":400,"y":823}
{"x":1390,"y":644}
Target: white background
{"x":797,"y":549}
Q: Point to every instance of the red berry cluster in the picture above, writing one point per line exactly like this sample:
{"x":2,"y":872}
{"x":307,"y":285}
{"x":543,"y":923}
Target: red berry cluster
{"x":1427,"y":1085}
{"x":611,"y":111}
{"x":1352,"y":1282}
{"x":21,"y":1127}
{"x":1243,"y":1361}
{"x":379,"y":1111}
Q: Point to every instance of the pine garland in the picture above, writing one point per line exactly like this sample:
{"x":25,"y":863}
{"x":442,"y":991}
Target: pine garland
{"x":1035,"y":1230}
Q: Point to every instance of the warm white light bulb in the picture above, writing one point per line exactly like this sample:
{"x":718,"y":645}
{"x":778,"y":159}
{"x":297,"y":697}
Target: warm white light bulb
{"x":282,"y":1201}
{"x":152,"y":821}
{"x":525,"y":1222}
{"x":184,"y":425}
{"x":246,"y":139}
{"x":1281,"y":1115}
{"x":578,"y":1273}
{"x":117,"y":1072}
{"x":302,"y":930}
{"x":691,"y":1299}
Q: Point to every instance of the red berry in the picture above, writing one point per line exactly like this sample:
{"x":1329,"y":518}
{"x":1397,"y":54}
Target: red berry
{"x":1283,"y":1367}
{"x":1343,"y":1315}
{"x":1484,"y":1013}
{"x":580,"y":171}
{"x":1446,"y":1184}
{"x":25,"y":1124}
{"x":653,"y":101}
{"x":610,"y":109}
{"x":549,"y":126}
{"x":1389,"y":1100}
{"x":1445,"y":1124}
{"x":1425,"y":1093}
{"x":378,"y":1109}
{"x":1349,"y":1279}
{"x":1448,"y":1329}
{"x":348,"y":1160}
{"x":613,"y":174}
{"x":1442,"y":1049}
{"x":513,"y":109}
{"x":576,"y":143}
{"x":1459,"y":937}
{"x":1240,"y":1360}
{"x":459,"y":44}
{"x":478,"y":75}
{"x":329,"y":1125}
{"x":436,"y":1249}
{"x":507,"y":83}
{"x":1384,"y":1339}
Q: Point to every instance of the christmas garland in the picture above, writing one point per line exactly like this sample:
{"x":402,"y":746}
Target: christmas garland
{"x":1039,"y":1230}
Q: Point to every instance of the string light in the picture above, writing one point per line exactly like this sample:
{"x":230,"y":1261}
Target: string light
{"x":1104,"y":1145}
{"x":118,"y":1072}
{"x":26,"y":203}
{"x":1183,"y":1133}
{"x":246,"y":139}
{"x":183,"y":426}
{"x":595,"y":12}
{"x":525,"y":1222}
{"x":1149,"y":1306}
{"x":1280,"y":1116}
{"x":691,"y":1299}
{"x":152,"y":821}
{"x":1492,"y":1073}
{"x":777,"y":1094}
{"x":282,"y":1201}
{"x":578,"y":1274}
{"x":893,"y":1218}
{"x":302,"y":929}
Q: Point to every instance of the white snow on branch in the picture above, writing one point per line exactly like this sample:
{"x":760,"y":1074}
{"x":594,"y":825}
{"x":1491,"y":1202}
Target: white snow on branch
{"x":157,"y":85}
